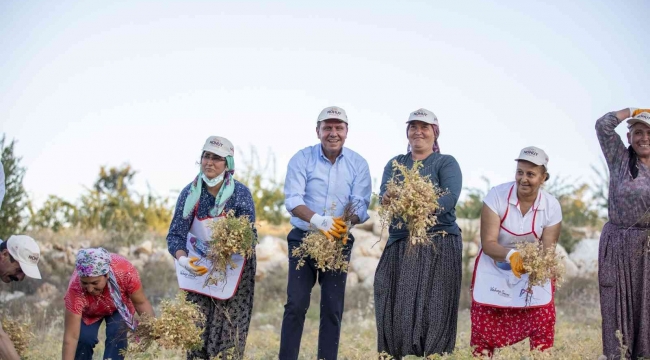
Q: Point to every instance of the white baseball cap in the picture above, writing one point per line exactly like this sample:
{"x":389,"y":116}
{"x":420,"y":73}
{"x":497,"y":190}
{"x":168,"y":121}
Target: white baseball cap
{"x":535,"y":155}
{"x":219,"y":145}
{"x":423,"y":115}
{"x":333,"y":113}
{"x":26,"y":251}
{"x":643,"y":117}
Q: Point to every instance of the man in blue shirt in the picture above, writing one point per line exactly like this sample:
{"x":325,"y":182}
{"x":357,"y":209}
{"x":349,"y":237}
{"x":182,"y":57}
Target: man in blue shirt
{"x":321,"y":180}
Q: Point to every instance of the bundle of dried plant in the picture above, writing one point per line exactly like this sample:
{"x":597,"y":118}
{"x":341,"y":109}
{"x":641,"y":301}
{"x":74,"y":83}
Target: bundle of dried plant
{"x":230,"y":235}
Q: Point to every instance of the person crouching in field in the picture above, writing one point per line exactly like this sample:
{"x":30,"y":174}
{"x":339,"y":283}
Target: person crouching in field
{"x":213,"y":193}
{"x":106,"y":287}
{"x":624,"y":250}
{"x":19,"y":257}
{"x":514,"y":212}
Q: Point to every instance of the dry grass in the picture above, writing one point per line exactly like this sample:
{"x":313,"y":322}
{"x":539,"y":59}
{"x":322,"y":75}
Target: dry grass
{"x":231,"y":235}
{"x":19,"y":333}
{"x":541,"y":265}
{"x":413,"y":202}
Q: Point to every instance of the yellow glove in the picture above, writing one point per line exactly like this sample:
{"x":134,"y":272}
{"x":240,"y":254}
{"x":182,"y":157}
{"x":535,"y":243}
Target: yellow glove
{"x":517,"y":264}
{"x":189,"y":265}
{"x":634,"y":112}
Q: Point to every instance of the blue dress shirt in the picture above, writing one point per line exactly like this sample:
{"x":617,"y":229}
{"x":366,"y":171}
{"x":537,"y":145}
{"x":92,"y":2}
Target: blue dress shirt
{"x":325,"y":188}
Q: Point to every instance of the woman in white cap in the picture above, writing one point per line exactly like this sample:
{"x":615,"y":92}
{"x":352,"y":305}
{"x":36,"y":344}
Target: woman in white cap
{"x":504,"y":311}
{"x":624,"y":251}
{"x":211,"y":194}
{"x":417,"y":292}
{"x":103,"y":287}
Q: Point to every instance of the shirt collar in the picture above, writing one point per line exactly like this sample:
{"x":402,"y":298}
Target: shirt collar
{"x":322,"y":155}
{"x":539,"y":204}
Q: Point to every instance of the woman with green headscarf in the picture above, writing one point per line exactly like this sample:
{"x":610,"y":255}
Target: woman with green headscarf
{"x":210,"y":196}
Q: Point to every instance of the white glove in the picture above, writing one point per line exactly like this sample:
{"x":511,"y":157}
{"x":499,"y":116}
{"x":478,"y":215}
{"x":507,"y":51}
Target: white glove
{"x":324,"y":223}
{"x":188,"y":264}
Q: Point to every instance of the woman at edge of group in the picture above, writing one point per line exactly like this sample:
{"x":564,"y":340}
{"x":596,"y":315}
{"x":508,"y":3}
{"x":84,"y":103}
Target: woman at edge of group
{"x":514,"y":212}
{"x":106,"y":287}
{"x":410,"y":319}
{"x":624,"y":251}
{"x":211,"y":194}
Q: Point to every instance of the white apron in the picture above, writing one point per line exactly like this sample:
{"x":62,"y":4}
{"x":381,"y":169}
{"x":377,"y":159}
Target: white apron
{"x":495,"y":285}
{"x":223,"y":290}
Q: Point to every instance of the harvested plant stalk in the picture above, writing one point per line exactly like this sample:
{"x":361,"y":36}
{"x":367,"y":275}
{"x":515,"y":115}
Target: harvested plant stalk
{"x":327,"y":254}
{"x":542,"y":265}
{"x":19,"y":333}
{"x":179,"y":326}
{"x":413,"y":201}
{"x":230,"y":235}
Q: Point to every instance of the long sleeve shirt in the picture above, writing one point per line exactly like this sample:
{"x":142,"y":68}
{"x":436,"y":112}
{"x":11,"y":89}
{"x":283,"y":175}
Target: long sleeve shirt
{"x":444,"y":172}
{"x":241,"y":202}
{"x":325,"y":188}
{"x":629,"y":199}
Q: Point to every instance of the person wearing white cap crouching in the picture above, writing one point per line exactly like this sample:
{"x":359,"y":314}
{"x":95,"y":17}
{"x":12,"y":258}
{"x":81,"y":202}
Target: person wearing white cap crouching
{"x":321,"y":180}
{"x":227,"y":305}
{"x":623,"y":257}
{"x":19,"y":257}
{"x":504,"y":311}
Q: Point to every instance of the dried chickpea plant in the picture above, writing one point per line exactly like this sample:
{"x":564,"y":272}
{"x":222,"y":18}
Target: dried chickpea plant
{"x":19,"y":334}
{"x":327,"y":254}
{"x":179,"y":326}
{"x":230,"y":235}
{"x":542,"y":265}
{"x":413,"y":202}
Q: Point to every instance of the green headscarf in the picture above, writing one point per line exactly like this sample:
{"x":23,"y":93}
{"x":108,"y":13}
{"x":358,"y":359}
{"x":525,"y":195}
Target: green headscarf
{"x":226,"y":191}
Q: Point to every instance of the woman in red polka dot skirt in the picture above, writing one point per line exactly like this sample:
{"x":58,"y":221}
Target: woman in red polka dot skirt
{"x":503,"y":311}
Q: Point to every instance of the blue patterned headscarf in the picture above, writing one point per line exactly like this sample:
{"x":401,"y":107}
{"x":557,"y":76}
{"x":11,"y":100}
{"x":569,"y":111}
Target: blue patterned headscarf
{"x":97,"y":262}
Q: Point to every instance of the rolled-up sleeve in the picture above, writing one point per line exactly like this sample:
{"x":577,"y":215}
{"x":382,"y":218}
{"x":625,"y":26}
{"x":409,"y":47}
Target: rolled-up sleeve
{"x":361,"y":191}
{"x":179,"y":227}
{"x":295,"y":182}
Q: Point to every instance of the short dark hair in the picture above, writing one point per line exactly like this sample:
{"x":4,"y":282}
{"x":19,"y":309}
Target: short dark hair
{"x":3,"y":246}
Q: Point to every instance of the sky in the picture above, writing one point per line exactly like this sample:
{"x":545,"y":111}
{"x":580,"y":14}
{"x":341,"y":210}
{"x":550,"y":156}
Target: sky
{"x":99,"y":83}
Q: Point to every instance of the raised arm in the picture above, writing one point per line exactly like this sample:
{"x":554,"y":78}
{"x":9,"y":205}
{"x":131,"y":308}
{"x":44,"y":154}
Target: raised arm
{"x":610,"y":142}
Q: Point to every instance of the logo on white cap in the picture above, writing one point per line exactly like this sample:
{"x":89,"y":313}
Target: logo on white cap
{"x":535,"y":155}
{"x":423,"y":115}
{"x":25,"y":250}
{"x":643,"y":117}
{"x":219,"y":145}
{"x":333,"y":113}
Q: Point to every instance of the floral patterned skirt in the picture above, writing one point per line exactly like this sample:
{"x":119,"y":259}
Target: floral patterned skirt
{"x":227,"y":321}
{"x":497,"y":327}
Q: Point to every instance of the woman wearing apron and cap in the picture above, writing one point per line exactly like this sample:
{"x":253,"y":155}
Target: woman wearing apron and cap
{"x":503,"y":311}
{"x":228,"y":304}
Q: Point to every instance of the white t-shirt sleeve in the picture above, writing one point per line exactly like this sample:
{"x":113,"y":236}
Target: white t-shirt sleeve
{"x":492,"y":200}
{"x":554,"y":213}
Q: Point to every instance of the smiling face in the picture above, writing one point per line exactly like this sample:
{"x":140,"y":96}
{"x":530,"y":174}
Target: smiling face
{"x":10,"y":268}
{"x":332,"y":135}
{"x":529,"y":178}
{"x":421,"y":136}
{"x":639,"y":138}
{"x":212,"y":165}
{"x":94,"y":285}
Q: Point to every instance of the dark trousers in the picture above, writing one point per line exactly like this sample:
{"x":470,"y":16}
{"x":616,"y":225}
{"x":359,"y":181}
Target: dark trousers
{"x":298,"y":295}
{"x":116,"y":331}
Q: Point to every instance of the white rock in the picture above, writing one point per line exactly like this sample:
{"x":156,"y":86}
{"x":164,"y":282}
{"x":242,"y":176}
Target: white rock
{"x":470,"y":249}
{"x":144,"y":248}
{"x":8,"y":296}
{"x":571,"y":269}
{"x":471,"y":229}
{"x":352,"y":280}
{"x":369,"y":282}
{"x":364,"y":267}
{"x":268,"y":247}
{"x":585,"y":256}
{"x":366,"y":244}
{"x":123,"y":251}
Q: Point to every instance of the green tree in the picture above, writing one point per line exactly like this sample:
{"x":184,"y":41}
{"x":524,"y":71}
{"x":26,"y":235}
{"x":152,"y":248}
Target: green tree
{"x":55,"y":214}
{"x":470,"y":208}
{"x":15,"y":200}
{"x":267,"y":191}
